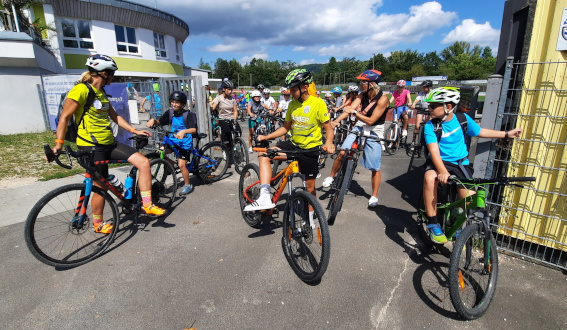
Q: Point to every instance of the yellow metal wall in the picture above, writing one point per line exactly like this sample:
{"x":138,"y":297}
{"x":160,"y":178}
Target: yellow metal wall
{"x":541,"y":100}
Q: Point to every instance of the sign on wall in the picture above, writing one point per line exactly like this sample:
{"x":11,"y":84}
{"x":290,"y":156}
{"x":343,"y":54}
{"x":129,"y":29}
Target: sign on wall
{"x":562,"y":38}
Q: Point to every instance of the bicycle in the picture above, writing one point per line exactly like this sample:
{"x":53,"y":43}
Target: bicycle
{"x":419,"y":145}
{"x":306,"y":244}
{"x":393,"y":135}
{"x":260,"y":128}
{"x":473,"y":265}
{"x":59,"y":229}
{"x":343,"y":178}
{"x":209,"y":163}
{"x":239,"y":150}
{"x":242,"y":113}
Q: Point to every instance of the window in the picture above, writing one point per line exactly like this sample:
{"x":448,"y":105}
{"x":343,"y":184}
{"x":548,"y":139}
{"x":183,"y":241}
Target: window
{"x":76,"y":34}
{"x":126,"y":39}
{"x":177,"y":47}
{"x":159,"y":44}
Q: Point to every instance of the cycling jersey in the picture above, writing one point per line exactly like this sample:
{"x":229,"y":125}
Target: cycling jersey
{"x":96,"y":123}
{"x":306,"y":119}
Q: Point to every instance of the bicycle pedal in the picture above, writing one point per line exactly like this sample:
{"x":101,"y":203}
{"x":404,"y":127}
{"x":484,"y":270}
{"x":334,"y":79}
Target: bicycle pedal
{"x":275,"y":213}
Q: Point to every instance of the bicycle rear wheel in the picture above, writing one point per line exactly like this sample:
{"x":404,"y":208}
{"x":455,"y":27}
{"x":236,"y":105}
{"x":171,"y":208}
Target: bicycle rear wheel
{"x":240,"y":154}
{"x":308,"y":247}
{"x":164,"y":183}
{"x":391,"y":139}
{"x":56,"y":237}
{"x":250,"y":183}
{"x":344,"y":177}
{"x":212,"y":161}
{"x":473,"y":272}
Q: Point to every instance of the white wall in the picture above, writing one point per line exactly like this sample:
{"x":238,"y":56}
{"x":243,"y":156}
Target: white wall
{"x":21,"y":108}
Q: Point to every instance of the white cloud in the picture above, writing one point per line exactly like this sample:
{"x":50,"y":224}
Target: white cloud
{"x":305,"y":62}
{"x":298,"y":49}
{"x":247,"y":59}
{"x":473,"y":33}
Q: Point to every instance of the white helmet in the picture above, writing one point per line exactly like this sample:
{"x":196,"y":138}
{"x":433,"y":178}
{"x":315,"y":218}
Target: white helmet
{"x":266,"y":91}
{"x":255,"y":93}
{"x":328,"y":94}
{"x":352,"y":88}
{"x":99,"y":63}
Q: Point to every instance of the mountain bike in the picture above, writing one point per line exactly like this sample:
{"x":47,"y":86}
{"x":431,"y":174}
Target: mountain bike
{"x":393,"y":135}
{"x":209,"y":163}
{"x":306,"y":243}
{"x":419,"y":145}
{"x":260,"y":128}
{"x":59,"y":229}
{"x":473,"y":265}
{"x":343,"y":178}
{"x":239,"y":150}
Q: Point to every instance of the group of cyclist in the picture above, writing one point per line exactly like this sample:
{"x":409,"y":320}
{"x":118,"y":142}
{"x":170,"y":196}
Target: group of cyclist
{"x":307,"y":118}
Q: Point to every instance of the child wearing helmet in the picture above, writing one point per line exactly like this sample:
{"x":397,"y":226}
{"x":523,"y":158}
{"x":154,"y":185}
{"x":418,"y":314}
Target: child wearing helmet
{"x":255,"y":109}
{"x":268,"y":102}
{"x":95,"y":134}
{"x":445,"y":140}
{"x":402,"y":99}
{"x":183,"y":126}
{"x":370,"y":119}
{"x":283,"y":104}
{"x":329,"y":102}
{"x":337,"y":92}
{"x":305,"y":118}
{"x":421,"y":107}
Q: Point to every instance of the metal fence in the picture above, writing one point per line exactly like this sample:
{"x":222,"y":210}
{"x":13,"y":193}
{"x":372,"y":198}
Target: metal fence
{"x":532,"y":222}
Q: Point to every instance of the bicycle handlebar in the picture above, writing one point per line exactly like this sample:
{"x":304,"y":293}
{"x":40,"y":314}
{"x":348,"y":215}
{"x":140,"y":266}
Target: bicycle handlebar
{"x":496,"y":181}
{"x":358,"y":134}
{"x":271,"y":153}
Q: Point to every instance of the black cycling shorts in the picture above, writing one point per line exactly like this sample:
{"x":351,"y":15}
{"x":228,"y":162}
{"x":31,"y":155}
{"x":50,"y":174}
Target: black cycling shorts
{"x":453,"y":169}
{"x":308,"y":162}
{"x":117,"y":151}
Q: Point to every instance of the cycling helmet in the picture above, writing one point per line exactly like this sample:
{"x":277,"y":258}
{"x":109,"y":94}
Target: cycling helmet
{"x":328,"y":95}
{"x":241,"y":95}
{"x":352,"y":88}
{"x":427,"y":83}
{"x":444,"y":95}
{"x":401,"y":83}
{"x":260,"y":86}
{"x":99,"y":63}
{"x":255,"y":93}
{"x":286,"y":92}
{"x":337,"y":90}
{"x":227,"y":84}
{"x":298,"y":77}
{"x":179,"y":96}
{"x":266,"y":91}
{"x":370,"y":75}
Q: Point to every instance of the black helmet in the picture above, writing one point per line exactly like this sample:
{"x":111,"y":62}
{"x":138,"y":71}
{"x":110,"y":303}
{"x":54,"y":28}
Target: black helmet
{"x":427,"y":83}
{"x":178,"y":96}
{"x":298,"y":77}
{"x":260,"y":86}
{"x":227,"y":84}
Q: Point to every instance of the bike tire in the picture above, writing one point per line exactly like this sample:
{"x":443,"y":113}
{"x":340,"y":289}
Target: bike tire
{"x":164,"y":183}
{"x":391,"y":141}
{"x":250,"y":181}
{"x":240,"y":154}
{"x":307,"y":254}
{"x":472,"y":284}
{"x":54,"y":238}
{"x":342,"y":187}
{"x":212,"y":161}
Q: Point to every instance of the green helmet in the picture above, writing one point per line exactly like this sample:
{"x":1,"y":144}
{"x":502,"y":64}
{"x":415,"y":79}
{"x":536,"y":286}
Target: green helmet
{"x":298,"y":77}
{"x":444,"y":95}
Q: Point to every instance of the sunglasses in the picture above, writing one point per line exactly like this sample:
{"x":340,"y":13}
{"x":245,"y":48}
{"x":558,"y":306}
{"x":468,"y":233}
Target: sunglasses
{"x":434,"y":105}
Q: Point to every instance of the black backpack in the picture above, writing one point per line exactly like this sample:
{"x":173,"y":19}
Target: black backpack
{"x":464,"y":126}
{"x":72,"y":126}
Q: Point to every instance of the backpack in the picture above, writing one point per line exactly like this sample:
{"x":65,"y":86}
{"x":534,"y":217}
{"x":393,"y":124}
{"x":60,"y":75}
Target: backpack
{"x":464,"y":126}
{"x":186,"y":115}
{"x":72,"y":126}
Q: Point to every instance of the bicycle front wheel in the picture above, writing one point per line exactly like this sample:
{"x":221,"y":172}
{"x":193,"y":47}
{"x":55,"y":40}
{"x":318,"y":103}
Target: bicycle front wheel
{"x":344,"y":177}
{"x":212,"y":161}
{"x":58,"y":237}
{"x":306,"y":244}
{"x":473,"y":272}
{"x":249,"y":184}
{"x":240,"y":154}
{"x":391,"y":139}
{"x":164,"y":183}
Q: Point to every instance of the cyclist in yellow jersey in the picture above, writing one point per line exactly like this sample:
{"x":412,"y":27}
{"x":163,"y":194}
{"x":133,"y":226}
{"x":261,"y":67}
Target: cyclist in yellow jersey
{"x":95,"y":133}
{"x":305,"y":117}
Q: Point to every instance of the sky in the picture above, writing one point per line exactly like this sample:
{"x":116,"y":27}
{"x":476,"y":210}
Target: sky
{"x":312,"y":31}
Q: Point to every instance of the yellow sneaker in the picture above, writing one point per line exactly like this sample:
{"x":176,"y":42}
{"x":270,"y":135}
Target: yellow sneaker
{"x":153,"y":210}
{"x":102,"y":228}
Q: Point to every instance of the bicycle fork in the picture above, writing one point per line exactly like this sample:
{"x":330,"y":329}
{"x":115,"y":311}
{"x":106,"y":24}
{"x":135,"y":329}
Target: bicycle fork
{"x":80,"y":218}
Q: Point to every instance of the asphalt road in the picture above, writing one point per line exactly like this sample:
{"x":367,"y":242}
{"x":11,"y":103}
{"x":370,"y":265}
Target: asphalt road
{"x":203,"y":266}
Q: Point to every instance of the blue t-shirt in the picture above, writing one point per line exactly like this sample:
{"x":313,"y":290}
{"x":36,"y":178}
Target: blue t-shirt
{"x":157,"y":104}
{"x":452,"y":145}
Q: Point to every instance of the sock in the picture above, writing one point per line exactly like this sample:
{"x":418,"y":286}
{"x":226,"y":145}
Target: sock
{"x":264,"y":189}
{"x":146,"y":198}
{"x":432,"y":220}
{"x":97,"y":218}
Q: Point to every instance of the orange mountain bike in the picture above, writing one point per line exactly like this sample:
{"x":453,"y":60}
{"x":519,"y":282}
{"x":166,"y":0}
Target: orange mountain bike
{"x":306,"y":243}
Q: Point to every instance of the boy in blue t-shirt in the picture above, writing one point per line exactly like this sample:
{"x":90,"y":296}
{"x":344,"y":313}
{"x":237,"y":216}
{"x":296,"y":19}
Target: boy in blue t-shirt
{"x":449,"y":153}
{"x":182,"y":133}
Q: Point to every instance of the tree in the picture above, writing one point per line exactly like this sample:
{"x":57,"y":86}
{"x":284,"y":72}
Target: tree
{"x":203,"y":65}
{"x":432,"y":64}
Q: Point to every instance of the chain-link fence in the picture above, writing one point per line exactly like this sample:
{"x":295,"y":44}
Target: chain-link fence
{"x":532,"y":221}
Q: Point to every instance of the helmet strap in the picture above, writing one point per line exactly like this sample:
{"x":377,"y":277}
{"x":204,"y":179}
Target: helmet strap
{"x":447,"y":112}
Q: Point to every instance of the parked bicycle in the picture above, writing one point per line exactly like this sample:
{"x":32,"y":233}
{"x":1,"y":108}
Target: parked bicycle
{"x":306,"y":242}
{"x":343,"y":178}
{"x":209,"y":163}
{"x":59,"y":228}
{"x":393,"y":135}
{"x":473,"y":265}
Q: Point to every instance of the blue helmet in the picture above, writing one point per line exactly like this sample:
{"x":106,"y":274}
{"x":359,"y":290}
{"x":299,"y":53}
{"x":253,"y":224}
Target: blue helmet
{"x":337,"y":90}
